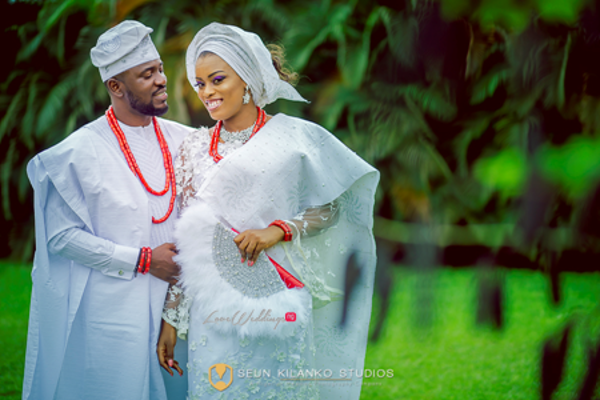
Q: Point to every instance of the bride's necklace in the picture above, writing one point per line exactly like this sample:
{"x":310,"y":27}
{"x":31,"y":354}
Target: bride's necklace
{"x":241,"y":135}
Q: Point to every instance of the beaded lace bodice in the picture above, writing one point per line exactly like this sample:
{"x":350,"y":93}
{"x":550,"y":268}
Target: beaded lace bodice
{"x":193,"y":161}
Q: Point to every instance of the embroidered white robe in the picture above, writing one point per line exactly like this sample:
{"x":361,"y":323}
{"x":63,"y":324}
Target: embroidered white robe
{"x":93,"y":326}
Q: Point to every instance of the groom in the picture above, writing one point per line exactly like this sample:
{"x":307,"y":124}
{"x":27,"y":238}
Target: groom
{"x":104,"y":200}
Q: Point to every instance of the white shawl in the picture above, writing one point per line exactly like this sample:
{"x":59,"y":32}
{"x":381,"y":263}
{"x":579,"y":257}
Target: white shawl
{"x":290,"y":165}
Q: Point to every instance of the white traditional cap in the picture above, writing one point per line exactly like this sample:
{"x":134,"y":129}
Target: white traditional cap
{"x":249,"y":58}
{"x":124,"y":46}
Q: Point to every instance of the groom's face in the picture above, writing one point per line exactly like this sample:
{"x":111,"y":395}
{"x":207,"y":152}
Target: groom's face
{"x":146,"y":88}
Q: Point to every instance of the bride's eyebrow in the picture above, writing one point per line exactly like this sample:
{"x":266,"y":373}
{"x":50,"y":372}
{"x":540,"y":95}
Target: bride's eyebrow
{"x":216,"y":72}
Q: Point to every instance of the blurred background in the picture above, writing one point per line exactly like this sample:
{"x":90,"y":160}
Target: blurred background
{"x":483,"y":117}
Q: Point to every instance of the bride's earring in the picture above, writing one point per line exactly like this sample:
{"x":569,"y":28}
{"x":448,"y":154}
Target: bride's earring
{"x":246,"y":96}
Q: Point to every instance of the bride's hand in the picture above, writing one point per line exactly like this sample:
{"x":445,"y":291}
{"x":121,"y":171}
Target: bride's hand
{"x":253,"y":241}
{"x":165,"y":347}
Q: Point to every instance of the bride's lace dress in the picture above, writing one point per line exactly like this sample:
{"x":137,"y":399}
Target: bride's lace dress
{"x":269,"y":360}
{"x":298,"y":172}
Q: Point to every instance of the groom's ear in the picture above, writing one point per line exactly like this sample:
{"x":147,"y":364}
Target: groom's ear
{"x":115,"y":87}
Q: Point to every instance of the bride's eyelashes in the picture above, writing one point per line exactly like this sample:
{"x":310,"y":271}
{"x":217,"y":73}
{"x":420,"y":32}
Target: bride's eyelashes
{"x":216,"y":80}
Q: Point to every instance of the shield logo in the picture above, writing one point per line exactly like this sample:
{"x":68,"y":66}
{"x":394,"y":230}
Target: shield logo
{"x":220,"y":369}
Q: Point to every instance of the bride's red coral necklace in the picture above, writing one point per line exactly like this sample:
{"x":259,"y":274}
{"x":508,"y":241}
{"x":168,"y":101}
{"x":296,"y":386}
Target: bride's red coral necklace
{"x":164,"y":148}
{"x":214,"y":142}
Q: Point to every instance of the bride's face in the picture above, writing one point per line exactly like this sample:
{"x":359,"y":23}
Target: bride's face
{"x":221,"y":89}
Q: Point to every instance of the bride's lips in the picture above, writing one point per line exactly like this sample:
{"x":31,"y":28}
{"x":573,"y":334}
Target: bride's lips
{"x":212,"y":105}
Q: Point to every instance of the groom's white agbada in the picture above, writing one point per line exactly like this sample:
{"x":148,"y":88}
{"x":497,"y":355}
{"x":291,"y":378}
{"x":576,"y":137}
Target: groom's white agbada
{"x":94,"y":321}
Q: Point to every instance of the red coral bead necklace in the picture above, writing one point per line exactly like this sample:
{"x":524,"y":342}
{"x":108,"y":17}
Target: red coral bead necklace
{"x":214,"y":142}
{"x":164,"y":148}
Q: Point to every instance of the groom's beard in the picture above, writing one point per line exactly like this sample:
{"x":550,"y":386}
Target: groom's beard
{"x":146,"y":108}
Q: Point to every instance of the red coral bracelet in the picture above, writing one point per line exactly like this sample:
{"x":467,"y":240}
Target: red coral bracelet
{"x":287,"y":231}
{"x":145,"y":260}
{"x":148,"y":260}
{"x":140,"y":262}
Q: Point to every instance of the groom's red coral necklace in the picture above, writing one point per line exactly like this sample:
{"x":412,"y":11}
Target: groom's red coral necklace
{"x":214,"y":142}
{"x":164,"y":148}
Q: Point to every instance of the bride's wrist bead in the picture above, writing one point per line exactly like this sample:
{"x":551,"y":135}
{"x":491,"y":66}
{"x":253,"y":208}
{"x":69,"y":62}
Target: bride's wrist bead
{"x":287,"y":231}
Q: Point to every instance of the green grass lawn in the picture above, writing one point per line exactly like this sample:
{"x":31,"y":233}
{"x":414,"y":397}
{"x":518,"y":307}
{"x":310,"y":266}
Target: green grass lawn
{"x":456,"y":359}
{"x":452,"y":359}
{"x":15,"y":289}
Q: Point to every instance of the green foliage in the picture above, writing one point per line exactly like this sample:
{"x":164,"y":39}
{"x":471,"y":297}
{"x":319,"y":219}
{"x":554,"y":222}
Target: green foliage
{"x":505,"y":171}
{"x":513,"y":14}
{"x":574,"y":166}
{"x":451,"y":100}
{"x":486,"y":87}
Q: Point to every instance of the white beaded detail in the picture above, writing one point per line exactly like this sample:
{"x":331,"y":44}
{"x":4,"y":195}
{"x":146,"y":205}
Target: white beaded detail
{"x":260,"y":280}
{"x":239,"y":136}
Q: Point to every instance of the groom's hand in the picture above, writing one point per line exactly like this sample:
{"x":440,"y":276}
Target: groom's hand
{"x":162,"y":265}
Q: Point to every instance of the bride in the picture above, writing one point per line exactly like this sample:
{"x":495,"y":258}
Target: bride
{"x":271,"y":209}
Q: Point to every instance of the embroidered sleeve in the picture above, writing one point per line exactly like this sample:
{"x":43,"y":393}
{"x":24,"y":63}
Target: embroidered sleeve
{"x":176,"y":310}
{"x":315,"y":220}
{"x":311,"y":222}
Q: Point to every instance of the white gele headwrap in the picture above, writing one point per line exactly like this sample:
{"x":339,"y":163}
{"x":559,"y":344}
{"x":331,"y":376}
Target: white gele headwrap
{"x":122,"y":47}
{"x":247,"y":55}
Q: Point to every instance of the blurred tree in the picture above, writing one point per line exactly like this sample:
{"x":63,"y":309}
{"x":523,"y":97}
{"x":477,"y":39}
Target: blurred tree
{"x":456,"y":102}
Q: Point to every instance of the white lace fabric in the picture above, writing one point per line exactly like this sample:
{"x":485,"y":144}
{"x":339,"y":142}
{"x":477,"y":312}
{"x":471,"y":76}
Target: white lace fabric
{"x":176,"y":310}
{"x":314,"y":220}
{"x":193,"y":162}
